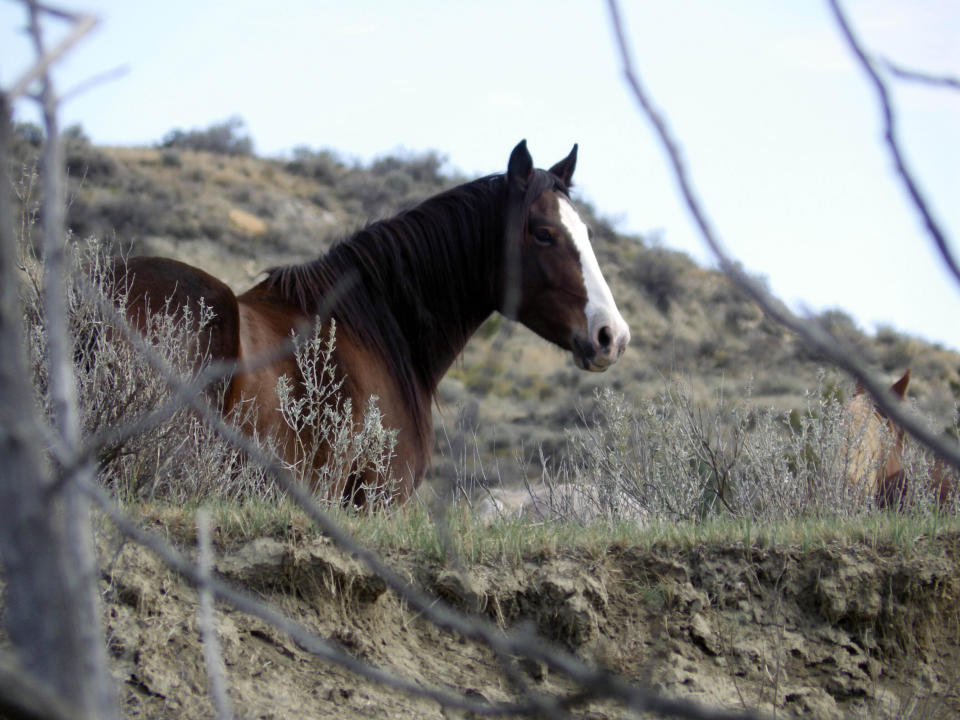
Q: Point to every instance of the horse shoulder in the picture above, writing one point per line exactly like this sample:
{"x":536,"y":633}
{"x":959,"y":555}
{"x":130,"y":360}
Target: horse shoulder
{"x":265,"y":326}
{"x":366,"y":375}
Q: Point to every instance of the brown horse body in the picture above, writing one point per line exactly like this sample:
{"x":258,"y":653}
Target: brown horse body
{"x":406,"y":294}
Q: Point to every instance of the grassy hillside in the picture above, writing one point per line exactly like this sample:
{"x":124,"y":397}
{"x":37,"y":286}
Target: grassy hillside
{"x":235,"y":214}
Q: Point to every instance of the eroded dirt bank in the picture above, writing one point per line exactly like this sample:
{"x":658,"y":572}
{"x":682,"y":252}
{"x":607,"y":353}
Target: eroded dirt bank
{"x":845,"y":631}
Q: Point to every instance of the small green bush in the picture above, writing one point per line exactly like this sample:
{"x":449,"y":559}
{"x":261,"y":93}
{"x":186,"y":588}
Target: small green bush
{"x":224,"y":138}
{"x":659,"y":272}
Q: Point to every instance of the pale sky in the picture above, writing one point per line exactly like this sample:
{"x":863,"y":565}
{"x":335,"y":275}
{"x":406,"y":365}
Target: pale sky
{"x":779,"y":126}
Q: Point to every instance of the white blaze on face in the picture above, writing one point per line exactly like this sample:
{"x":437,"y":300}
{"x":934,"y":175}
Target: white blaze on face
{"x":601,"y":309}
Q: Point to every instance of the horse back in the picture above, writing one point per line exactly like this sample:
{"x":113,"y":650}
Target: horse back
{"x":157,"y":285}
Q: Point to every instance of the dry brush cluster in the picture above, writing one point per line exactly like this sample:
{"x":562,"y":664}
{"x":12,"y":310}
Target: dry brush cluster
{"x":173,"y":454}
{"x":666,"y":458}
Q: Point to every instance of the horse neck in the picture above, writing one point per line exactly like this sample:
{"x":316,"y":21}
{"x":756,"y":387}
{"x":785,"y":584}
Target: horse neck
{"x":436,"y":266}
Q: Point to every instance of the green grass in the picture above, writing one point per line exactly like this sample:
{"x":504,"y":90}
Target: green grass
{"x":458,"y":534}
{"x":903,"y":534}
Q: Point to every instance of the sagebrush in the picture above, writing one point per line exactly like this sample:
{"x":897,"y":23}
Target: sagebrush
{"x":175,"y":455}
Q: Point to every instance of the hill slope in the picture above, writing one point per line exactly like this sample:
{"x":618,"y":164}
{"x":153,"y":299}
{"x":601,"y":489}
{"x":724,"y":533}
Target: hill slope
{"x":235,"y":215}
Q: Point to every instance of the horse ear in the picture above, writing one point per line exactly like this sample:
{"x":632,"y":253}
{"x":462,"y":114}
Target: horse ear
{"x":900,"y":386}
{"x":564,"y":169}
{"x":520,"y":167}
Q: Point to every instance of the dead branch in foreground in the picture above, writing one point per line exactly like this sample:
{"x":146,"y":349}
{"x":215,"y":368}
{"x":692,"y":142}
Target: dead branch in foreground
{"x":814,"y":335}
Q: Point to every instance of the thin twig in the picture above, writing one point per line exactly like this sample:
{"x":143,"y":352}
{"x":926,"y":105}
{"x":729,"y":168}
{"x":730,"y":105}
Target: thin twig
{"x":246,"y":603}
{"x":918,"y":76}
{"x":816,"y":337}
{"x":212,"y":653}
{"x":890,"y":135}
{"x":82,"y":25}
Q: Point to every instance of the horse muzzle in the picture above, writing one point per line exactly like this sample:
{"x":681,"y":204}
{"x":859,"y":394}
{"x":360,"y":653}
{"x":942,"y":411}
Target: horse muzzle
{"x":603,"y":347}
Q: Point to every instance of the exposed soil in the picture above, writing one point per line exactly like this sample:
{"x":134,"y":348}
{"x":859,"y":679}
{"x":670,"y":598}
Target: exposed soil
{"x":842,"y":631}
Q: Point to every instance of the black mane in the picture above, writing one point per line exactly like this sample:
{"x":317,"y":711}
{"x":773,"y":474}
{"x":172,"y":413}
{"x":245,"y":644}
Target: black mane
{"x":414,"y":287}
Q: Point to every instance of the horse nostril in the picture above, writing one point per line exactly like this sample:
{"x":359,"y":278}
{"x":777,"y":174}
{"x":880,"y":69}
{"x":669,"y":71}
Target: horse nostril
{"x":604,"y":338}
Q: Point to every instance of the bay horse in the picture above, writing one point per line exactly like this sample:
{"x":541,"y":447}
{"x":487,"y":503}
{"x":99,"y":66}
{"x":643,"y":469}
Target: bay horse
{"x":406,"y":294}
{"x":874,"y":448}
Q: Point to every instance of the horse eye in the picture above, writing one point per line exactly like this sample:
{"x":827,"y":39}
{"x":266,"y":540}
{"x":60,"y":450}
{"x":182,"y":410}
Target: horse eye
{"x":543,"y":237}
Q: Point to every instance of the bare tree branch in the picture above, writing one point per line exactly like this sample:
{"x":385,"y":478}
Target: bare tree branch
{"x":812,"y":333}
{"x":95,"y":692}
{"x":25,"y":697}
{"x":595,"y":683}
{"x":212,"y":654}
{"x":917,"y":76}
{"x":53,"y":614}
{"x":890,"y":135}
{"x":82,"y":25}
{"x":245,"y":602}
{"x":100,"y":78}
{"x":22,"y":468}
{"x":62,"y":385}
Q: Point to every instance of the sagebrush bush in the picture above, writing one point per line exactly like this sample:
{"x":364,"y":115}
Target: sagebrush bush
{"x":667,"y":459}
{"x":177,"y":456}
{"x":330,"y":444}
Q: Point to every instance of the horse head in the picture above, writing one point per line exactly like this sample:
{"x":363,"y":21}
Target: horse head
{"x":551,"y":281}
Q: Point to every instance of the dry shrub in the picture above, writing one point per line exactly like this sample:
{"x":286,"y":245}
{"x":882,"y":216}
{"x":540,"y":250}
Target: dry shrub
{"x":324,"y":427}
{"x":668,"y":459}
{"x":176,"y":456}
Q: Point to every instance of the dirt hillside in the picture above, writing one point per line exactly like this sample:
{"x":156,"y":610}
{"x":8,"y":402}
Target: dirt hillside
{"x":841,"y":631}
